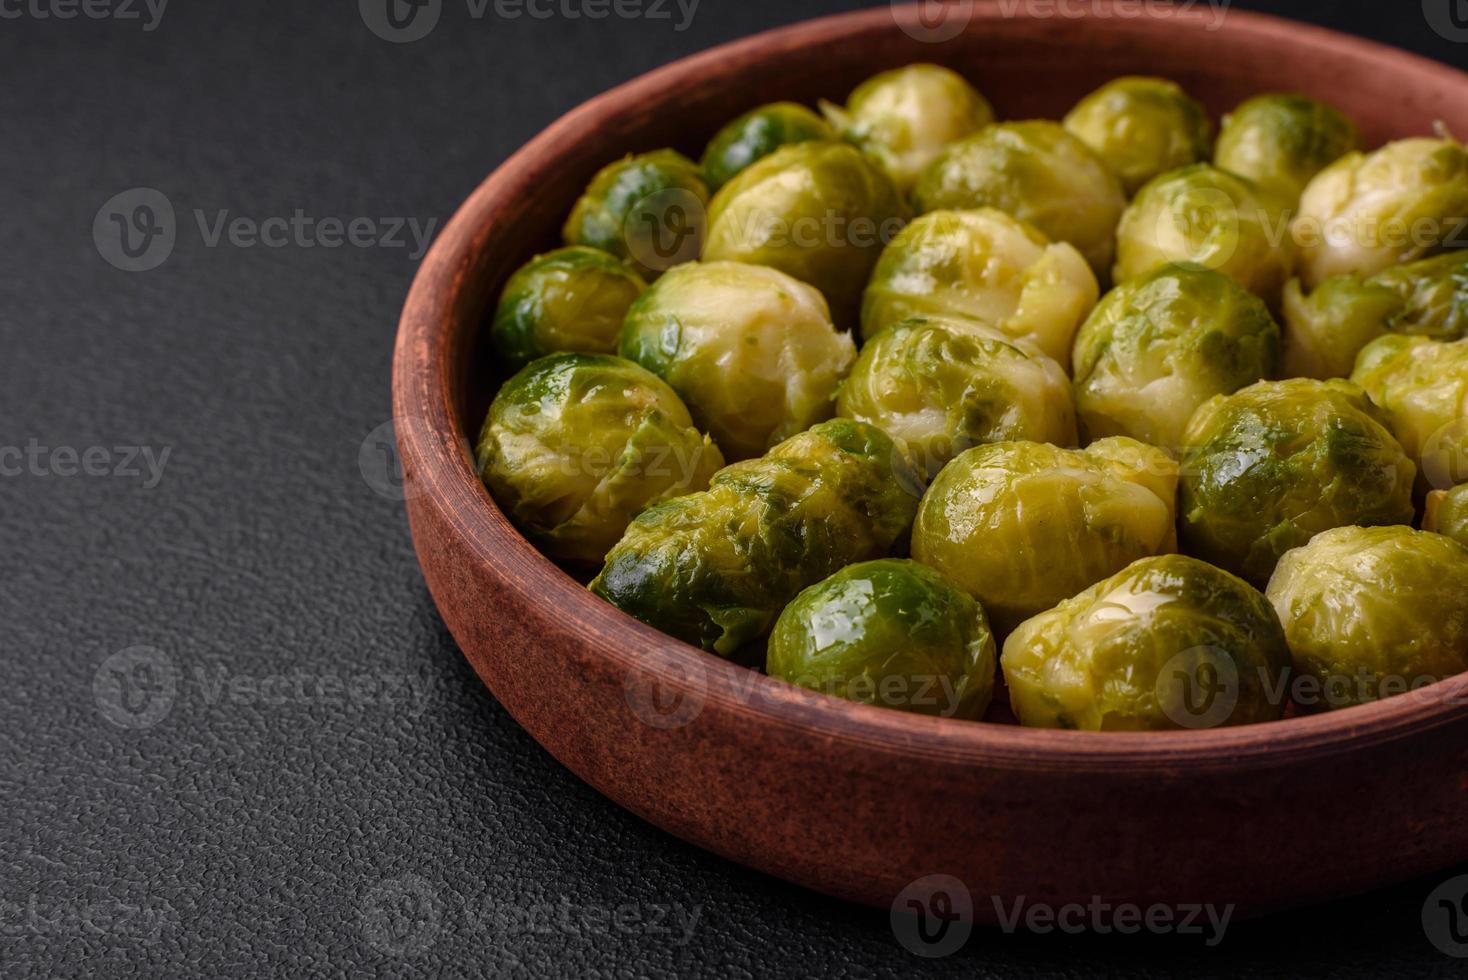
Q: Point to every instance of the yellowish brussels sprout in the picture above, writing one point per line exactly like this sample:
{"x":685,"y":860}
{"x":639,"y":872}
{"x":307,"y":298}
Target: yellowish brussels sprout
{"x":1159,"y":346}
{"x":714,"y":569}
{"x":944,"y":386}
{"x":1269,"y":467}
{"x":1143,"y":128}
{"x":1422,"y":386}
{"x":905,"y":117}
{"x":1037,"y":172}
{"x":1167,"y":643}
{"x":757,"y":134}
{"x":1204,"y":215}
{"x":1282,"y":141}
{"x":1447,"y":513}
{"x":1022,"y":525}
{"x":891,"y":633}
{"x":1373,"y":612}
{"x":1368,"y":212}
{"x":572,"y":299}
{"x":819,"y":211}
{"x":576,"y":445}
{"x":751,"y":351}
{"x":647,"y":209}
{"x":987,"y":266}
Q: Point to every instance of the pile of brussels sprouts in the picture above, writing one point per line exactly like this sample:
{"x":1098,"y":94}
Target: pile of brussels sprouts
{"x":892,"y":398}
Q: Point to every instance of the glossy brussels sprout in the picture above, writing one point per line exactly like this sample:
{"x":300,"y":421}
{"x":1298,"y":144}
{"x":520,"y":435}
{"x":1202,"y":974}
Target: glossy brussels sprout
{"x":1159,"y":346}
{"x":905,"y":117}
{"x":1373,"y":612}
{"x":1202,"y":214}
{"x":1365,"y":213}
{"x":892,"y":633}
{"x":1037,"y":172}
{"x":647,"y":209}
{"x":1447,"y":513}
{"x":1326,"y":330}
{"x":818,"y":211}
{"x":1142,"y":128}
{"x":714,"y":569}
{"x":1268,"y":468}
{"x":1282,"y":141}
{"x":757,"y":134}
{"x":1167,"y":643}
{"x":576,"y":445}
{"x":1422,"y":386}
{"x":572,"y":299}
{"x":750,"y":350}
{"x":987,"y":266}
{"x":944,"y":386}
{"x":1023,"y":525}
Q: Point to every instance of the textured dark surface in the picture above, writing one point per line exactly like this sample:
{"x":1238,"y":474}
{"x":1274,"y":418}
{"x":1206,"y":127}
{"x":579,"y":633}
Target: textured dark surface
{"x":327,"y":789}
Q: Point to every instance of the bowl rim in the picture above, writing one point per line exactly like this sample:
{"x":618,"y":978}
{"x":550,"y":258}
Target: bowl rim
{"x":434,"y":453}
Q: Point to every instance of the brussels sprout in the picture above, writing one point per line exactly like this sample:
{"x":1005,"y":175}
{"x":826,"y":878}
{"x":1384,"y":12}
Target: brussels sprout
{"x":1447,"y":513}
{"x":1282,"y":141}
{"x":1204,"y":215}
{"x":757,"y":134}
{"x":987,"y":266}
{"x":943,"y":386}
{"x":1167,"y":643}
{"x":904,"y":118}
{"x":1037,"y":172}
{"x":892,"y":633}
{"x":1268,"y":468}
{"x":818,"y":211}
{"x":647,"y":209}
{"x":572,"y":299}
{"x":749,"y":349}
{"x":714,"y":569}
{"x":1022,"y":525}
{"x":1159,"y":346}
{"x":1372,"y":612}
{"x":576,"y":445}
{"x":1422,"y":386}
{"x":1326,"y":330}
{"x":1142,"y":128}
{"x":1366,"y":213}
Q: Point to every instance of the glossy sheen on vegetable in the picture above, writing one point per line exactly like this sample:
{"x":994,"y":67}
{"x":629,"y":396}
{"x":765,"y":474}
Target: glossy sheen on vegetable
{"x":1142,"y":128}
{"x":1282,"y":141}
{"x":892,"y":633}
{"x":572,"y":299}
{"x":646,"y":209}
{"x":1422,"y":385}
{"x":757,"y":134}
{"x":1168,"y":643}
{"x":714,"y":569}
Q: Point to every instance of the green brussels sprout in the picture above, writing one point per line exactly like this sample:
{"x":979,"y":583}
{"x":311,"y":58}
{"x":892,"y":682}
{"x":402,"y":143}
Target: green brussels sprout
{"x":1142,"y":128}
{"x":1326,"y":330}
{"x":1368,"y":212}
{"x":1373,"y":612}
{"x":905,"y":117}
{"x":572,"y":299}
{"x":714,"y":569}
{"x":1037,"y":172}
{"x":576,"y":445}
{"x":1022,"y":526}
{"x":1422,"y":386}
{"x":892,"y":633}
{"x":943,"y":386}
{"x":757,"y":134}
{"x":987,"y":266}
{"x":1282,"y":141}
{"x":1269,"y":467}
{"x":1204,"y":215}
{"x":1159,"y":346}
{"x":1167,"y":643}
{"x":647,"y":209}
{"x":1447,"y":513}
{"x":750,"y":350}
{"x":818,"y":211}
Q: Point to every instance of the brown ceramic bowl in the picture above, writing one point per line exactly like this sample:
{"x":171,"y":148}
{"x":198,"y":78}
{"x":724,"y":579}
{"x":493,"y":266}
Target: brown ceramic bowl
{"x":855,"y":801}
